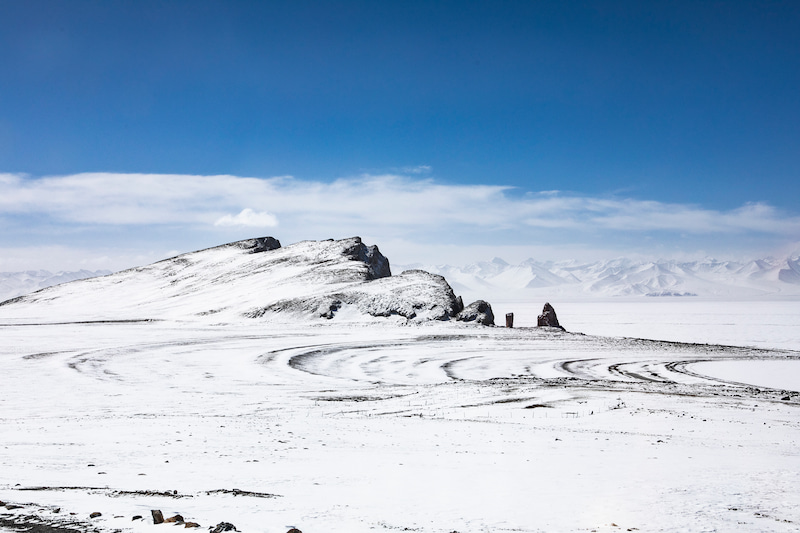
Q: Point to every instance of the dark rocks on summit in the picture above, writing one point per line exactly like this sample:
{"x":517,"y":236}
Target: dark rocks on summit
{"x":548,"y":317}
{"x":259,"y":244}
{"x":479,"y":311}
{"x":377,"y":263}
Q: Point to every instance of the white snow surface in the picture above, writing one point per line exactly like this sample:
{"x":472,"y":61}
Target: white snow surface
{"x":365,"y":425}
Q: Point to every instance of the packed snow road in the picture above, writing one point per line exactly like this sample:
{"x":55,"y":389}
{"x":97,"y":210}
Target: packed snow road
{"x":371,"y":427}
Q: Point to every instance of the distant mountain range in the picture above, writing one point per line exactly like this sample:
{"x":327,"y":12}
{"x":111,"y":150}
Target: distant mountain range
{"x":623,"y":277}
{"x":495,"y":279}
{"x":13,"y":284}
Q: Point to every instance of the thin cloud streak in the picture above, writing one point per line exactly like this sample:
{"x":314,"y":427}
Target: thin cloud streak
{"x":395,"y":204}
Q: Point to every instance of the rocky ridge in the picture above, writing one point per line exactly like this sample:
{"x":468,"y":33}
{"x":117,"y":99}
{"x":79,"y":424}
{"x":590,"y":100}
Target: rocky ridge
{"x":343,"y":280}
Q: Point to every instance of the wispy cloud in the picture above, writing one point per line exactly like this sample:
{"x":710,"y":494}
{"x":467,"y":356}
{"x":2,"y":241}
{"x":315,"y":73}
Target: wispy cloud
{"x":388,"y":208}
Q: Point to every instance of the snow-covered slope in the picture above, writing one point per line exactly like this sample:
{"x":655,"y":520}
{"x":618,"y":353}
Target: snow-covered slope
{"x":13,"y":284}
{"x":254,"y":279}
{"x":626,"y":277}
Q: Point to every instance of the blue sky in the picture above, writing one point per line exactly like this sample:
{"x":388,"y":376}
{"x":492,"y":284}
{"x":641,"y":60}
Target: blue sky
{"x":130,"y":130}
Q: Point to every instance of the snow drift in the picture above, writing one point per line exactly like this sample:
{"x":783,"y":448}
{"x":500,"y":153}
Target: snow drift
{"x":254,"y":278}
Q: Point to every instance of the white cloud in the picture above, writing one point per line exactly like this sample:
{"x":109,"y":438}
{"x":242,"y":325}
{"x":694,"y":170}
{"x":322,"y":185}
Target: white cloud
{"x":413,"y":213}
{"x":248,"y":218}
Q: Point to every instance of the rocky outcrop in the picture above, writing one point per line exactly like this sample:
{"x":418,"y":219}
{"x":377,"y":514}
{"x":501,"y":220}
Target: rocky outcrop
{"x":415,"y":295}
{"x":259,"y":244}
{"x":548,"y":318}
{"x":479,"y":311}
{"x":377,"y":263}
{"x":343,"y":280}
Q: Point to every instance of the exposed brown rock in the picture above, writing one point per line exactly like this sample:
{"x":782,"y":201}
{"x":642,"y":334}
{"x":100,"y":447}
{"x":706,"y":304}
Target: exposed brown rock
{"x":158,"y":517}
{"x":95,"y":515}
{"x":191,"y":524}
{"x":177,"y":519}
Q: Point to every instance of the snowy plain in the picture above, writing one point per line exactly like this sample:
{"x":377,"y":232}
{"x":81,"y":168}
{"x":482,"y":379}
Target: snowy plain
{"x":375,"y":424}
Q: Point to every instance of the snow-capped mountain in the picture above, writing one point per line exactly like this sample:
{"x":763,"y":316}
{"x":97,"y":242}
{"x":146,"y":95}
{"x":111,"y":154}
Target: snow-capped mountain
{"x":253,"y":279}
{"x":625,"y":277}
{"x":13,"y":284}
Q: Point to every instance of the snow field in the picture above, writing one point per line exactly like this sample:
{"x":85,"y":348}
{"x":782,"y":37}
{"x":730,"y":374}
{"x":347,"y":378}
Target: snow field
{"x":433,"y":428}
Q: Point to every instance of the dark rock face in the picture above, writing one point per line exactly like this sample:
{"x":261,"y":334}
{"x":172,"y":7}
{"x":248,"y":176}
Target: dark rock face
{"x":479,"y":311}
{"x":260,"y":244}
{"x":548,"y":317}
{"x":459,"y":305}
{"x":158,"y":516}
{"x":377,"y":263}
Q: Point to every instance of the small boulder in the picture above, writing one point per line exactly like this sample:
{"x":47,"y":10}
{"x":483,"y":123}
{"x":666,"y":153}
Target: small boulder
{"x":224,"y":526}
{"x":479,"y":311}
{"x":137,"y":517}
{"x":294,"y":530}
{"x":191,"y":524}
{"x":95,"y":515}
{"x":158,"y":516}
{"x":174,"y":519}
{"x":548,"y":318}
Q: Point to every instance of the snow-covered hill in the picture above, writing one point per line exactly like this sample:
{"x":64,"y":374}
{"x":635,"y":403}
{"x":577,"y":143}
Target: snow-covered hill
{"x":625,"y":277}
{"x":13,"y":284}
{"x":256,"y":279}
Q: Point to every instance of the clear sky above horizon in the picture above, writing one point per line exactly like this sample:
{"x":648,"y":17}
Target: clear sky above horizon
{"x":665,"y":127}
